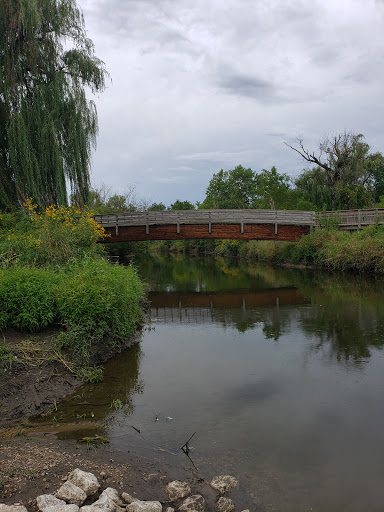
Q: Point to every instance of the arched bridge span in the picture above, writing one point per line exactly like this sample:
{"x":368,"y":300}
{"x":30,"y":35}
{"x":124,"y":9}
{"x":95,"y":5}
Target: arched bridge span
{"x":279,"y":225}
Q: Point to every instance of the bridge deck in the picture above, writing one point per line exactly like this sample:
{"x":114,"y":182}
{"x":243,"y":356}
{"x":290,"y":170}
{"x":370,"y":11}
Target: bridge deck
{"x":246,"y":224}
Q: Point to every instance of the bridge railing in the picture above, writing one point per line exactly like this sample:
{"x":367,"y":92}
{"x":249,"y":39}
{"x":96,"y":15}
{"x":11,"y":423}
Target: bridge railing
{"x":248,"y":216}
{"x":353,"y":219}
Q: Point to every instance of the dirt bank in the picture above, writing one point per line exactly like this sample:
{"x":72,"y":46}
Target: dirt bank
{"x":37,"y":376}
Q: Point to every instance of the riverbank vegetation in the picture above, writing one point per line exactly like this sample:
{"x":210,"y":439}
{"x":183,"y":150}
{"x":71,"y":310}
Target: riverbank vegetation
{"x":54,"y":273}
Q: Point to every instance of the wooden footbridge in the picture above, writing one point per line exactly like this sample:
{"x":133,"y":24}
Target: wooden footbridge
{"x":279,"y":225}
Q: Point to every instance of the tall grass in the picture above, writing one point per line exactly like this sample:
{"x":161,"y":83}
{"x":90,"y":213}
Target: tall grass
{"x":359,"y":251}
{"x":53,"y":271}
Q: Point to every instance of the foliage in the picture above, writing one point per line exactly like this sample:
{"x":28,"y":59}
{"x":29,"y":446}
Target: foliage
{"x":99,"y":299}
{"x":27,"y":298}
{"x":231,"y":189}
{"x":359,"y":251}
{"x":243,"y":188}
{"x":6,"y":356}
{"x":346,"y":175}
{"x":54,"y":271}
{"x":181,"y":205}
{"x":101,"y":200}
{"x":273,"y":186}
{"x":157,"y":207}
{"x":47,"y":125}
{"x":55,"y":236}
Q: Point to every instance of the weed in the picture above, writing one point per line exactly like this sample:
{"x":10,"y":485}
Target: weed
{"x":117,"y":404}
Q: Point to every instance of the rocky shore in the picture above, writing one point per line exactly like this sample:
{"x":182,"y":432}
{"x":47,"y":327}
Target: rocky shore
{"x":82,"y":487}
{"x":43,"y":475}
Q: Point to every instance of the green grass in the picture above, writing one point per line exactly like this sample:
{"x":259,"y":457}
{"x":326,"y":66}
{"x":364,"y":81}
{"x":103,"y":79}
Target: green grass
{"x":359,"y":251}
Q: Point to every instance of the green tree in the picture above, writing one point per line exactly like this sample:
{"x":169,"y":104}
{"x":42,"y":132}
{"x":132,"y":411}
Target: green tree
{"x":346,"y":174}
{"x":273,"y":186}
{"x":181,"y":205}
{"x":47,"y":126}
{"x":157,"y":207}
{"x":231,"y":189}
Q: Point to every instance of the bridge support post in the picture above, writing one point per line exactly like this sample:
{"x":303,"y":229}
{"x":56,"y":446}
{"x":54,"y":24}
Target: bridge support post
{"x":209,"y":228}
{"x":147,"y":229}
{"x":117,"y":225}
{"x":275,"y":228}
{"x":178,"y":228}
{"x":242,"y":228}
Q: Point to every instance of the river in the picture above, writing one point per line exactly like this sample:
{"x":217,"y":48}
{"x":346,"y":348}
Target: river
{"x":278,"y":375}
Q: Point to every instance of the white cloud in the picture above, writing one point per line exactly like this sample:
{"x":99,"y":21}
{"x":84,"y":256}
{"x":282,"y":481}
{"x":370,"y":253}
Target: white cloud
{"x":216,"y":83}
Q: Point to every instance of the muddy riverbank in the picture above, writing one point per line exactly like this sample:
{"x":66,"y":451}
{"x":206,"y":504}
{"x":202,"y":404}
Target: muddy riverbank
{"x":37,"y":376}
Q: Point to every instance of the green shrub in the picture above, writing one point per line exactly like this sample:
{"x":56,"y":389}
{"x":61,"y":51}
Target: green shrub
{"x":27,"y":298}
{"x":97,"y":300}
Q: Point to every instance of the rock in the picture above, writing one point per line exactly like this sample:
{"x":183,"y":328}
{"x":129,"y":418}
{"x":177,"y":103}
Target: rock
{"x":12,"y":508}
{"x":224,"y":505}
{"x":104,"y":504}
{"x":169,"y":509}
{"x":86,"y":481}
{"x":71,"y":493}
{"x":128,"y":498}
{"x":144,"y":506}
{"x":195,"y":502}
{"x":49,"y":503}
{"x":223,"y":484}
{"x":109,"y":501}
{"x":177,"y":490}
{"x":112,"y":494}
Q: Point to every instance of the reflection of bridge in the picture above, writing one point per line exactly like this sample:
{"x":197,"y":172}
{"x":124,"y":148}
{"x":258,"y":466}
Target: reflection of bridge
{"x":199,"y":307}
{"x":288,"y":225}
{"x":238,"y":299}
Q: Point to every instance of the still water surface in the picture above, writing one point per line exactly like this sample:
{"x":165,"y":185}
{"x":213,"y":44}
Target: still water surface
{"x":279,"y":372}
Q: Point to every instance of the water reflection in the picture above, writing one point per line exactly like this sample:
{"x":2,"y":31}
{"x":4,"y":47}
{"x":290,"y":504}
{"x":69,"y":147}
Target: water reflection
{"x":345,"y":317}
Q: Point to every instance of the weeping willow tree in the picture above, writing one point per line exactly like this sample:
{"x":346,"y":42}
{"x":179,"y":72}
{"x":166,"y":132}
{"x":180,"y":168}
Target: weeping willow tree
{"x":48,"y":127}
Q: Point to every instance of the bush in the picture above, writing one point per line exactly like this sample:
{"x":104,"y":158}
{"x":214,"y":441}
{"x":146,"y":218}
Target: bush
{"x":97,"y":301}
{"x":54,"y":237}
{"x":27,"y":298}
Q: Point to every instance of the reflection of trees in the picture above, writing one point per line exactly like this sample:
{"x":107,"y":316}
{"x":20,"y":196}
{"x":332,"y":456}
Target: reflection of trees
{"x":183,"y":274}
{"x":347,"y":330}
{"x":347,"y":313}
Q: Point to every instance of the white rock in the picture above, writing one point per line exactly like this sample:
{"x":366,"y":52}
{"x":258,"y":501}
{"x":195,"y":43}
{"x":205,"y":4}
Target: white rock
{"x":86,"y":481}
{"x":144,"y":506}
{"x":169,"y":509}
{"x":177,"y":490}
{"x":223,"y":484}
{"x":224,"y":505}
{"x":112,"y":494}
{"x":71,"y":493}
{"x":12,"y":508}
{"x":103,"y":504}
{"x":49,"y":503}
{"x":128,"y":498}
{"x":193,"y":503}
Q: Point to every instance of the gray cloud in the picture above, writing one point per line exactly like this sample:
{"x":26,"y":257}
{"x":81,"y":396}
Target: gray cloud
{"x":208,"y":85}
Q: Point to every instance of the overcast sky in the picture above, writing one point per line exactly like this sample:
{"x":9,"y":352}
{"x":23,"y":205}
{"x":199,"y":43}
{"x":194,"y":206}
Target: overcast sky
{"x":203,"y":85}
